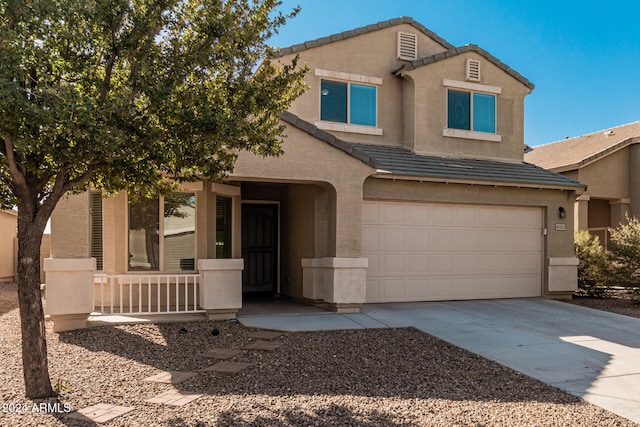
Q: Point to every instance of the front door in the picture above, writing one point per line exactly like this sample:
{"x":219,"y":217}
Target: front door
{"x":259,"y":249}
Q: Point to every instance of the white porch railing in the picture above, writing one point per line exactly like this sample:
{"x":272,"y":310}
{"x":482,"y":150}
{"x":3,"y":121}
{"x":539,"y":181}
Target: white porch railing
{"x":135,"y":294}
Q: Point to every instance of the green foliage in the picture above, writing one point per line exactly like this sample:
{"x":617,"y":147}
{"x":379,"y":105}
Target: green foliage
{"x":127,"y":95}
{"x":593,"y":268}
{"x":122,"y":94}
{"x":624,"y":249}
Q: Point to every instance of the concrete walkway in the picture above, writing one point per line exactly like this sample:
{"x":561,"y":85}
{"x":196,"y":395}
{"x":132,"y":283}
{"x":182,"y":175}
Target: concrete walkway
{"x":589,"y":353}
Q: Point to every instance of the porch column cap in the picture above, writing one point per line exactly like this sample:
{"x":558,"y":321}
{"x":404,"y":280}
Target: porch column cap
{"x":620,"y":202}
{"x":69,"y":264}
{"x":568,"y":261}
{"x":221,"y":264}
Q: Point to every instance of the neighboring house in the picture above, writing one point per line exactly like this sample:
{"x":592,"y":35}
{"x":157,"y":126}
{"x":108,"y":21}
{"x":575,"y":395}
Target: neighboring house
{"x":608,"y":162}
{"x":402,"y":179}
{"x":8,"y":224}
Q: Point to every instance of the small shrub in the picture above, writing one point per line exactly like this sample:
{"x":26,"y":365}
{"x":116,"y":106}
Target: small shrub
{"x":593,"y":270}
{"x":624,"y":252}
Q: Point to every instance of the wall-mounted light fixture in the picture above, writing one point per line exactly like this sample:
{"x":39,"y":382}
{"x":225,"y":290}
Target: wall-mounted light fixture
{"x":561,"y":212}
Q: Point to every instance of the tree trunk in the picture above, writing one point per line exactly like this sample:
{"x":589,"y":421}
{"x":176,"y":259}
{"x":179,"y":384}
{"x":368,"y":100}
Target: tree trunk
{"x":34,"y":345}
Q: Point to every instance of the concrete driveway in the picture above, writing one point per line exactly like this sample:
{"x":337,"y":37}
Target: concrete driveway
{"x":589,"y":353}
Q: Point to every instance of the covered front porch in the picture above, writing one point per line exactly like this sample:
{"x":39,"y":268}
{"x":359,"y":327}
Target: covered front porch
{"x":258,"y":239}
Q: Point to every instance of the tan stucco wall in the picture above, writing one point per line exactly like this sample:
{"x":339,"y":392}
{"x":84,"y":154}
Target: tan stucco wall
{"x":70,"y":227}
{"x":373,"y":55}
{"x":634,"y":179}
{"x":429,"y":107}
{"x":8,"y":223}
{"x":608,"y":177}
{"x":308,"y":160}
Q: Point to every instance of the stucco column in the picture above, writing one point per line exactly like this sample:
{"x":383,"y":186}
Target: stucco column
{"x":349,"y":221}
{"x":338,"y":282}
{"x":581,"y":213}
{"x":69,"y":291}
{"x":70,"y":227}
{"x":619,"y":209}
{"x":220,"y":287}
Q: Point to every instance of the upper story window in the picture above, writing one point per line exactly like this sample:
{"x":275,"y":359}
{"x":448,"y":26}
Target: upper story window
{"x":471,"y":111}
{"x":348,"y":103}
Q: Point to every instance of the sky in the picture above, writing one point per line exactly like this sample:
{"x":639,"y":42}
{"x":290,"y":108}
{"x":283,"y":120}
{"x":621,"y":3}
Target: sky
{"x":582,"y":56}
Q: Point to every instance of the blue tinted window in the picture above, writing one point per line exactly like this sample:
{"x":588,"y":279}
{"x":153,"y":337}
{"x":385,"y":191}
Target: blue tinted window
{"x":363,"y":105}
{"x":484,"y":113}
{"x":459,"y":110}
{"x":333,"y":101}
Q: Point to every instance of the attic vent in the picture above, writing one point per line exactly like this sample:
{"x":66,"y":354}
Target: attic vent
{"x":473,"y":70}
{"x":407,"y":46}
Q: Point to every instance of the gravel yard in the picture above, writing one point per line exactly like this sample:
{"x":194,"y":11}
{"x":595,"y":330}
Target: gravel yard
{"x":624,"y":302}
{"x":390,"y":377}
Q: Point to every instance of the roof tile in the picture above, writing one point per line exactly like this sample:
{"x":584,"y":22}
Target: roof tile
{"x":403,"y":162}
{"x":571,"y":153}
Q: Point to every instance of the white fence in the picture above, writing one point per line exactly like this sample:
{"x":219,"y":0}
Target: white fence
{"x":135,"y":294}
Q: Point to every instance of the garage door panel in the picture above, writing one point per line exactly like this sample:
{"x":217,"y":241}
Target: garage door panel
{"x":440,"y":251}
{"x":418,"y":215}
{"x":393,"y":289}
{"x":370,"y":237}
{"x":417,"y":263}
{"x":419,"y":239}
{"x":393,"y":264}
{"x":393,"y":238}
{"x":374,"y":264}
{"x":392,"y":213}
{"x":371,"y":213}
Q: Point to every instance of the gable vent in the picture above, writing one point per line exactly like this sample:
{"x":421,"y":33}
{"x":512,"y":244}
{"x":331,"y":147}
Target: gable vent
{"x":407,"y":46}
{"x":473,"y":70}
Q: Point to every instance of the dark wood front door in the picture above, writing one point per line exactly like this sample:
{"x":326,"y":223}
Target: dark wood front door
{"x":260,"y":249}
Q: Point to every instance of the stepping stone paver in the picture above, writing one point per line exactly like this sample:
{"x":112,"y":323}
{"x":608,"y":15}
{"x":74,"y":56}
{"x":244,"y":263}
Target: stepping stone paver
{"x":265,"y":335}
{"x":228,"y":368}
{"x":171,"y":377}
{"x":175,"y":398}
{"x":263,"y":345}
{"x":220,"y":353}
{"x":100,"y":413}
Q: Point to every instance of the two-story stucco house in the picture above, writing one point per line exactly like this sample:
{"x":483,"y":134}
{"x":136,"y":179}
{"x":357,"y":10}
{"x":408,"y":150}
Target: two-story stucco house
{"x":402,"y":179}
{"x":608,"y":162}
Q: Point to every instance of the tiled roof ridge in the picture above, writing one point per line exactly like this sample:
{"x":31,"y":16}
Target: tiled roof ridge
{"x":601,"y":131}
{"x":454,"y":51}
{"x":363,"y":30}
{"x":330,"y":139}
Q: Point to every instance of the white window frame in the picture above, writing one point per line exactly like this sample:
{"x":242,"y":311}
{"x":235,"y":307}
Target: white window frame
{"x":471,"y":88}
{"x":161,"y":238}
{"x":348,"y":78}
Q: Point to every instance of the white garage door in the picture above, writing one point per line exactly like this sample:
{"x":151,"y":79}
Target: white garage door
{"x":429,"y":251}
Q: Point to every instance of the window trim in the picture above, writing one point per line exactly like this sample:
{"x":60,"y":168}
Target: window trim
{"x":471,"y":88}
{"x":161,"y":255}
{"x":348,"y":78}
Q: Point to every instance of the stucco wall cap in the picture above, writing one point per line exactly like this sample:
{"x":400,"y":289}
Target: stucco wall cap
{"x":220,"y":264}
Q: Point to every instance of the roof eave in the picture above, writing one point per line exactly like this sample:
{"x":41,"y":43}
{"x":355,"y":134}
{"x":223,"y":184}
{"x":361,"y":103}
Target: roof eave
{"x":362,"y":30}
{"x":384,"y":174}
{"x":460,"y":50}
